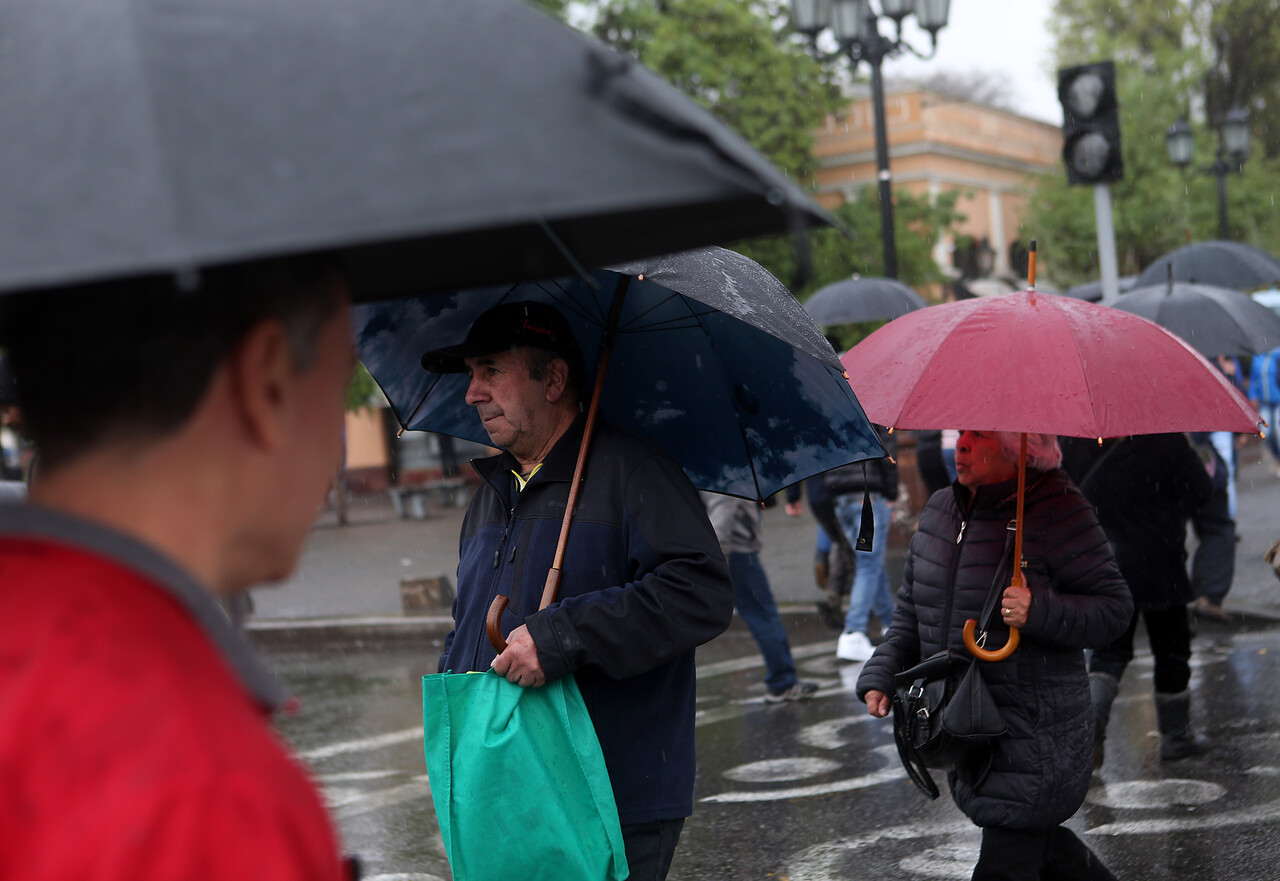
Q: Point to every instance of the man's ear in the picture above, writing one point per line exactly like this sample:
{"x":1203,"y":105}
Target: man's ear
{"x":262,"y":374}
{"x":556,"y":379}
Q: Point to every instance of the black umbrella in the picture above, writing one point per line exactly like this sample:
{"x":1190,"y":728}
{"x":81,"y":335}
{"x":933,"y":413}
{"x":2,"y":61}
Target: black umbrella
{"x":437,"y":144}
{"x":1213,"y":321}
{"x":1221,"y":264}
{"x":1092,"y":292}
{"x":862,"y":299}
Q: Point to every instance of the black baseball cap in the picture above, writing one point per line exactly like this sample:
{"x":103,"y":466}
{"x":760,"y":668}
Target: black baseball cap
{"x":509,"y":326}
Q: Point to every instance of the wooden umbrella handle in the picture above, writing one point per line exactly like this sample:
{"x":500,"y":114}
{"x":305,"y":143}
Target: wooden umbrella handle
{"x":493,"y":623}
{"x":983,"y":654}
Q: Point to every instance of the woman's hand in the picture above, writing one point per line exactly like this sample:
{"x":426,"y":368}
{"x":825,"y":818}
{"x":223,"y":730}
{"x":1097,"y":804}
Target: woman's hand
{"x":1015,"y":606}
{"x":877,"y":703}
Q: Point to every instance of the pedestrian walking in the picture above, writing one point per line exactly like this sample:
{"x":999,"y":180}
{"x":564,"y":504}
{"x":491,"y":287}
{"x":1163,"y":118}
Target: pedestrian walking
{"x":1264,"y":394}
{"x":737,"y":524}
{"x":850,"y":487}
{"x":187,"y":432}
{"x":643,"y":581}
{"x":1143,"y":489}
{"x":1213,"y":563}
{"x":1036,"y":775}
{"x":834,"y":563}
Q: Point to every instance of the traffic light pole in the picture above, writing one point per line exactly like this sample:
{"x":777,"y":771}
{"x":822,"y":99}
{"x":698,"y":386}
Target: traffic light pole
{"x":1106,"y":241}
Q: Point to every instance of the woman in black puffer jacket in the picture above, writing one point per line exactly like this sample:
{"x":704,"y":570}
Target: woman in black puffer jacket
{"x":1075,"y":598}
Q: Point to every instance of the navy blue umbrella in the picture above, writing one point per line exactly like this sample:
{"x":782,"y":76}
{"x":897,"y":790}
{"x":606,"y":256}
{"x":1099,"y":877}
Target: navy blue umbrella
{"x":714,"y":360}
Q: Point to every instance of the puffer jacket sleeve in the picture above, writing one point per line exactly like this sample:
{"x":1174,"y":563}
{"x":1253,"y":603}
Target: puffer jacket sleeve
{"x":900,"y":647}
{"x":1089,"y":604}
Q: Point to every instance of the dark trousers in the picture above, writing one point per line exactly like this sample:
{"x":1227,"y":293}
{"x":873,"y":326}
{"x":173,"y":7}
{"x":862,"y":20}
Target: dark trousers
{"x":1031,"y":855}
{"x":1213,"y":564}
{"x":650,"y":847}
{"x":1170,"y":637}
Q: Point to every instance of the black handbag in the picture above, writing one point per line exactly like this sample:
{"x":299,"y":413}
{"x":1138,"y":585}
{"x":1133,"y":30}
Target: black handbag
{"x":943,"y":715}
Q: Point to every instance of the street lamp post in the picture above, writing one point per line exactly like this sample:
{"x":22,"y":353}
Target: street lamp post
{"x":855,"y":26}
{"x":1234,"y":145}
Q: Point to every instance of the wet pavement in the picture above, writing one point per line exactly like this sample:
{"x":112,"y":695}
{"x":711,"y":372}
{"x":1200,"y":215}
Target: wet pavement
{"x":806,"y":791}
{"x":813,"y":790}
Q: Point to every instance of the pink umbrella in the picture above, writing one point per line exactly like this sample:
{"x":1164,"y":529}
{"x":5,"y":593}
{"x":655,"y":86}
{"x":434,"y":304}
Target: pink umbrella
{"x":1034,"y":362}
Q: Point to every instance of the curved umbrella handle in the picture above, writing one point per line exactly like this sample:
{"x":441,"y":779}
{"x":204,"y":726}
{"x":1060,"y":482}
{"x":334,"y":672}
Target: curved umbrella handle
{"x":982,"y":654}
{"x":492,"y":623}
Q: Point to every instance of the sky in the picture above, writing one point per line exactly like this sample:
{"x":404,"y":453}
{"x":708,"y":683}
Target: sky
{"x":1008,"y":37}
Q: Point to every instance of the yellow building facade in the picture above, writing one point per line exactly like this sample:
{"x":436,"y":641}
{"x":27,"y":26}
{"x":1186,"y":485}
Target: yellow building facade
{"x":938,"y":144}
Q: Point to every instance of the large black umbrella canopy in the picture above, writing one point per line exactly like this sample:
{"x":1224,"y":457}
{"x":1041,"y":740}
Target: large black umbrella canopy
{"x":1213,"y":321}
{"x":436,"y":144}
{"x":1221,"y":264}
{"x":862,"y":299}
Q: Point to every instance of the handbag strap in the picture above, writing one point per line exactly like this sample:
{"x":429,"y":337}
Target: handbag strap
{"x":915,"y":766}
{"x":993,"y":595}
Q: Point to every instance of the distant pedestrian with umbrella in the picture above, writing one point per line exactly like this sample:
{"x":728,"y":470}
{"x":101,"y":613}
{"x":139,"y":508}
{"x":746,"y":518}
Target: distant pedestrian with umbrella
{"x":644,"y":581}
{"x":1264,"y":393}
{"x":1143,"y":489}
{"x":1036,"y":775}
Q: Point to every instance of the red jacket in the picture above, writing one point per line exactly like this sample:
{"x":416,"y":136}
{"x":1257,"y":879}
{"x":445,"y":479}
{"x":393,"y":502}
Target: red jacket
{"x":129,"y":749}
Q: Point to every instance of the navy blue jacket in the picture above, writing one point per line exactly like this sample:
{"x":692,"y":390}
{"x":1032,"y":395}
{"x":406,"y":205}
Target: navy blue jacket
{"x":1040,"y":769}
{"x":643,"y":583}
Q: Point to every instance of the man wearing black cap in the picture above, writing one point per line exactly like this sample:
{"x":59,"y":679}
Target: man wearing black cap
{"x":643,"y":578}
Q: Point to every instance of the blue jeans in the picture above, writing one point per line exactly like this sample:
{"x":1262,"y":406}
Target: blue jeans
{"x":870,"y":591}
{"x":754,"y":601}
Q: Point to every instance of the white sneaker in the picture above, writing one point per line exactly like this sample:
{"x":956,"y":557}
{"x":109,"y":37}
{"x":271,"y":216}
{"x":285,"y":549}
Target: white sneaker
{"x":854,"y":646}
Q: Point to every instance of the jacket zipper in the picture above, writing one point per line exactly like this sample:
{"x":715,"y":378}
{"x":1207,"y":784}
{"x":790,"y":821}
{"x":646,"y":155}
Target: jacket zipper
{"x":951,"y":577}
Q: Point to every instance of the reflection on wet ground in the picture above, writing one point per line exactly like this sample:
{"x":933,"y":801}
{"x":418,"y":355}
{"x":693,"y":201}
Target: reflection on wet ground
{"x":813,"y":791}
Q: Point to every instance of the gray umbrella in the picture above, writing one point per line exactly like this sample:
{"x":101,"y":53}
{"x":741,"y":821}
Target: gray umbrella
{"x":1092,"y":291}
{"x":1221,"y":264}
{"x":437,"y":144}
{"x":860,"y":299}
{"x":1213,"y":321}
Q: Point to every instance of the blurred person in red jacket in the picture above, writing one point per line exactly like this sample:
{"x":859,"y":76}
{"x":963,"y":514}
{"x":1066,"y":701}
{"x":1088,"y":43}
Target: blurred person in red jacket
{"x":187,"y":429}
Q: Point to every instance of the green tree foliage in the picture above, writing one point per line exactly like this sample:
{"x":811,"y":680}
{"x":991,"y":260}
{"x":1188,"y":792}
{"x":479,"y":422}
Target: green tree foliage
{"x":1163,"y":71}
{"x":361,"y":390}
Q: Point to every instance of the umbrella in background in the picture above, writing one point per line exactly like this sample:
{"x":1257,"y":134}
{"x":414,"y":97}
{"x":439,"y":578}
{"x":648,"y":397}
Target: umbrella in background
{"x":859,"y":299}
{"x":1033,"y":362}
{"x":1214,"y":321}
{"x":1221,"y":264}
{"x":436,"y":144}
{"x":1093,"y":290}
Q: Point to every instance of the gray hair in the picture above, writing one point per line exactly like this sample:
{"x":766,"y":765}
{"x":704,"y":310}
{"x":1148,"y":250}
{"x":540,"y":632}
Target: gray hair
{"x":1043,"y":452}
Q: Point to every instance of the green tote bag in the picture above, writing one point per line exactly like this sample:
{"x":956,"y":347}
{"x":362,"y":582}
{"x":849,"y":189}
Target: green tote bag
{"x":519,"y":781}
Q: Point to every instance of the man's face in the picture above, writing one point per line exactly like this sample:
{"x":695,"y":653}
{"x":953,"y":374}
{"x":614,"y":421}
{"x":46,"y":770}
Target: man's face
{"x":512,"y":406}
{"x":979,"y":460}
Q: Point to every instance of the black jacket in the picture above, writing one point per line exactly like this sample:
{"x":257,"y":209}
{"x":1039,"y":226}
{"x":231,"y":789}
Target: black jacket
{"x":1040,"y":770}
{"x":1143,"y":489}
{"x":878,"y":475}
{"x":643,"y":583}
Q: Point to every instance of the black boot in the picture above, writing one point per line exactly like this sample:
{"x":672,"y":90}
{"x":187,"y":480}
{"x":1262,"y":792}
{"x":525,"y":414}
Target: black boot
{"x":1177,"y":741}
{"x":1103,"y":689}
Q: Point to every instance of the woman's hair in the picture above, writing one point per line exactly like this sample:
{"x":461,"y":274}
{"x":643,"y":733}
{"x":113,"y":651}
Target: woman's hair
{"x":1043,"y":451}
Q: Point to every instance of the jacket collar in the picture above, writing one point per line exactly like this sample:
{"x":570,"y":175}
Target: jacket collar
{"x":997,"y":495}
{"x":558,"y":466}
{"x":33,"y":522}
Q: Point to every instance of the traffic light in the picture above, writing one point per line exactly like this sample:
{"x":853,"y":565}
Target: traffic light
{"x":1090,"y":123}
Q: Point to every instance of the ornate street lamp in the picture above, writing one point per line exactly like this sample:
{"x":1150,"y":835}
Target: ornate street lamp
{"x":1233,"y":145}
{"x":855,"y":26}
